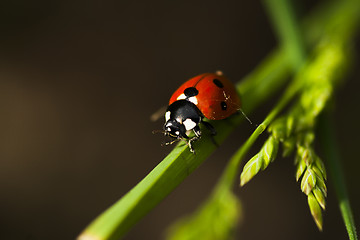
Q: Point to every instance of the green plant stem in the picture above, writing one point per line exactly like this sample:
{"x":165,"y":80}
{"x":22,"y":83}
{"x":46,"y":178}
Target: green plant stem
{"x":329,"y":145}
{"x":232,"y":168}
{"x":285,"y":23}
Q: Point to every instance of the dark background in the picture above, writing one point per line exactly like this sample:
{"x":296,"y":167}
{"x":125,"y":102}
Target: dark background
{"x":78,"y":82}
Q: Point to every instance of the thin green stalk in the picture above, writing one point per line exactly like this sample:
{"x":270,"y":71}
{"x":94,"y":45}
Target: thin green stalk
{"x":330,"y":147}
{"x":319,"y":76}
{"x":285,"y":23}
{"x":288,"y":29}
{"x":232,"y":168}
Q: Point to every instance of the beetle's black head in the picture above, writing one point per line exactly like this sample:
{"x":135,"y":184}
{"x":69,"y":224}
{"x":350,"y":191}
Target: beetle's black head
{"x":175,"y":129}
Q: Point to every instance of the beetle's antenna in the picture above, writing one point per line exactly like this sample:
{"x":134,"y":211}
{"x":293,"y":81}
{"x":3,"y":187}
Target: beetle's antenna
{"x":243,"y":113}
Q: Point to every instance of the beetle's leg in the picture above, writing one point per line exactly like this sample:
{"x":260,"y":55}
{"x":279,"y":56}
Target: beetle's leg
{"x":212,"y":132}
{"x":210,"y":128}
{"x":171,"y":142}
{"x":193,"y":139}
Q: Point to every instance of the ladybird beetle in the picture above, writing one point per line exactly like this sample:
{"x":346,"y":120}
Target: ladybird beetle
{"x":208,"y":95}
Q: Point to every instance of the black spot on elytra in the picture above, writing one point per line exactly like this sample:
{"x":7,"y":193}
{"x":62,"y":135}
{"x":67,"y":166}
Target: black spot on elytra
{"x":218,"y":83}
{"x":223,"y":105}
{"x":191,"y":92}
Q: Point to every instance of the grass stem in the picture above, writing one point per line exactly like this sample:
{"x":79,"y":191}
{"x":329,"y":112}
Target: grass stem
{"x":284,"y":21}
{"x":329,"y":145}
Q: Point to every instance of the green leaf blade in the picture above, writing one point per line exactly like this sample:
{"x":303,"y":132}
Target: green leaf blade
{"x":315,"y":211}
{"x":269,"y":150}
{"x":251,"y":168}
{"x":308,"y":181}
{"x":300,"y":169}
{"x":320,"y":197}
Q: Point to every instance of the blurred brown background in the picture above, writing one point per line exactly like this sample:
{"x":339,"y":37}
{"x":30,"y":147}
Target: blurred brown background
{"x":78,"y":82}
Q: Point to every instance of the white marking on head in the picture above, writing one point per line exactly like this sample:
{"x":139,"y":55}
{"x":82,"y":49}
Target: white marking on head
{"x":167,"y":116}
{"x":193,"y":100}
{"x":189,"y":124}
{"x":182,"y":96}
{"x":179,"y":120}
{"x":177,"y":132}
{"x":168,"y":129}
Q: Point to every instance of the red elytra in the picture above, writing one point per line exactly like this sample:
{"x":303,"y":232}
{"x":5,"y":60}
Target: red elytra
{"x":217,"y":97}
